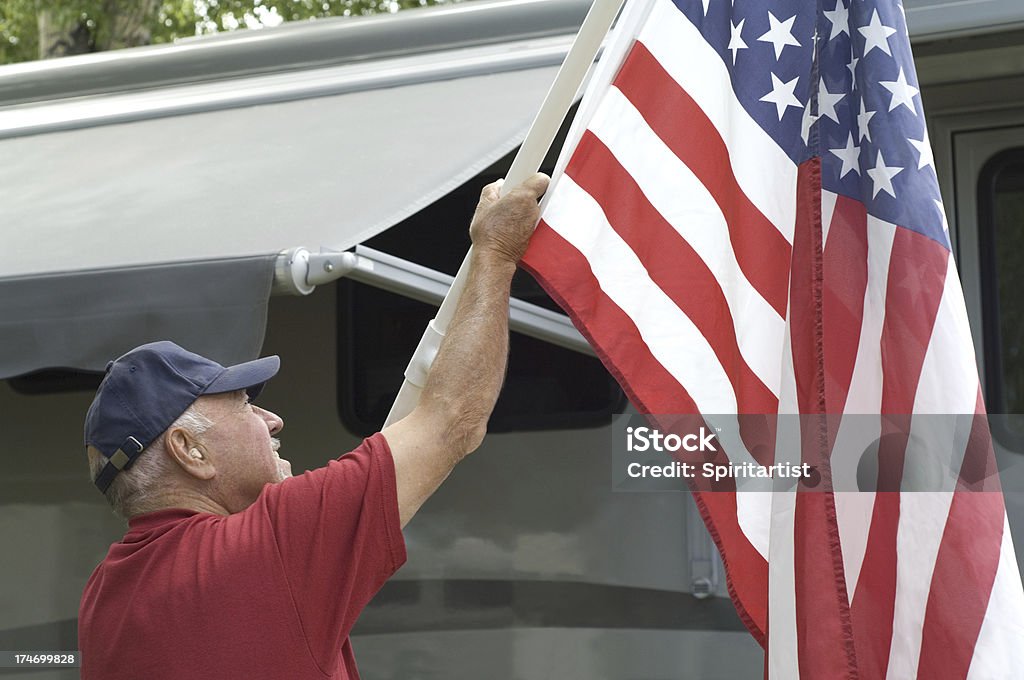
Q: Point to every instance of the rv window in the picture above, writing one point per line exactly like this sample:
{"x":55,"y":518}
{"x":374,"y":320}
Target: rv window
{"x":547,"y":387}
{"x":51,"y":381}
{"x":1001,"y":243}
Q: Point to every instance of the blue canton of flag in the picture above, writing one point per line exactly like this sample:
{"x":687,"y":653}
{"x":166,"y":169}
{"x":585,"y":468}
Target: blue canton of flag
{"x":844,"y":90}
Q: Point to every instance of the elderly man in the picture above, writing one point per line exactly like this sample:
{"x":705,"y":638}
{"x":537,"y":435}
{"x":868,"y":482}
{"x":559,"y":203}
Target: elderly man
{"x":231,"y":567}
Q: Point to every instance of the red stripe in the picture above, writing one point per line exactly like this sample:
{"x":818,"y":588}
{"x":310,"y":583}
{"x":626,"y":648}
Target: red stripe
{"x":917,"y":271}
{"x":761,"y":251}
{"x":824,"y":632}
{"x":846,"y":280}
{"x":567,"y":277}
{"x":965,"y":568}
{"x":917,"y":275}
{"x":979,"y":471}
{"x":671,"y":262}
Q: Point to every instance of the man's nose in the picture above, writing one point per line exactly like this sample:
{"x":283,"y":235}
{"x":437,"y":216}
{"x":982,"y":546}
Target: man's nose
{"x":274,"y":422}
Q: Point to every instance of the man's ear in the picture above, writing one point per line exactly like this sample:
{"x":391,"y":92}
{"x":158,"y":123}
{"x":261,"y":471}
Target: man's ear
{"x":189,"y":454}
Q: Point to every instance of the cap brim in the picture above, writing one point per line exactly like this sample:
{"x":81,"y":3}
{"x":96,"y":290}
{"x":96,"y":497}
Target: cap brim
{"x":250,"y":376}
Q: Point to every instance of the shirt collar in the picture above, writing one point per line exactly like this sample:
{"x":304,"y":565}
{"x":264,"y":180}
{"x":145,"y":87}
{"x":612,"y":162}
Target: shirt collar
{"x":152,"y":520}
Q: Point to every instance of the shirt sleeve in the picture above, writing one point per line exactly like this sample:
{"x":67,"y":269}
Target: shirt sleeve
{"x":339,"y":536}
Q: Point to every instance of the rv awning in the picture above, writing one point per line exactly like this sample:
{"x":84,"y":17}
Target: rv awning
{"x":159,"y":214}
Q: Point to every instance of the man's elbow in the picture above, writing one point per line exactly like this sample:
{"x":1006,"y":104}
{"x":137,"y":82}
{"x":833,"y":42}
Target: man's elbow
{"x":462,"y":426}
{"x":470,"y":438}
{"x":466,"y":432}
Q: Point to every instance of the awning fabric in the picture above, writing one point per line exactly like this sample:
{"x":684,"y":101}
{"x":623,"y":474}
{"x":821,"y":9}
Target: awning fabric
{"x":84,"y":319}
{"x":120,"y":234}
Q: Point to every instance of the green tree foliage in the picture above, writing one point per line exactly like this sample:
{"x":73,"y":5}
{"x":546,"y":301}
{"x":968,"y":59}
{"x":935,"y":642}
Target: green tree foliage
{"x":40,"y":29}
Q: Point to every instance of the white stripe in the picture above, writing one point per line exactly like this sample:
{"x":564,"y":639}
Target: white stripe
{"x":753,"y":497}
{"x":617,"y":45}
{"x":948,"y":387}
{"x":579,"y":219}
{"x":999,"y":651}
{"x":946,"y":396}
{"x":828,"y":209}
{"x":684,"y":53}
{"x":783,"y":650}
{"x":922,"y":520}
{"x":949,"y":375}
{"x":728,"y":427}
{"x":782,"y":632}
{"x":753,"y":515}
{"x":853,"y":510}
{"x":680,"y":197}
{"x":865,"y":395}
{"x":853,"y":517}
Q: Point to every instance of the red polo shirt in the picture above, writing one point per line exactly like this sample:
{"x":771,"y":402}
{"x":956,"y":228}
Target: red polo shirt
{"x":270,"y":592}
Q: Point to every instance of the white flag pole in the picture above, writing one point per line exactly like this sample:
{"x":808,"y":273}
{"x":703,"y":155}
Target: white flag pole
{"x":527,"y":161}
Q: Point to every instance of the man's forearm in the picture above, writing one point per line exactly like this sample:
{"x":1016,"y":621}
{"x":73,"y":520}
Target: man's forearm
{"x":451,"y":418}
{"x":469,"y":369}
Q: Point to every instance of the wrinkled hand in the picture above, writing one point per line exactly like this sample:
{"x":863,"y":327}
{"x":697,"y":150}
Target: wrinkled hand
{"x":503,"y":226}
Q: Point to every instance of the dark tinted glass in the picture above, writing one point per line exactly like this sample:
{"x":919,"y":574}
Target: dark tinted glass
{"x":547,"y":387}
{"x":1001,"y":239}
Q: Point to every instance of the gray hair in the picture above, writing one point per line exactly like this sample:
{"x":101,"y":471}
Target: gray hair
{"x":131,"y":492}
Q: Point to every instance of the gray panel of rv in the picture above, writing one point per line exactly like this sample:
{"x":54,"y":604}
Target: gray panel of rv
{"x":946,"y":18}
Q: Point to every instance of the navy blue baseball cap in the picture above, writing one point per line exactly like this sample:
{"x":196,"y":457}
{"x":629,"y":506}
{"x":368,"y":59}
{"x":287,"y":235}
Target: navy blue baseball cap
{"x":149,"y":388}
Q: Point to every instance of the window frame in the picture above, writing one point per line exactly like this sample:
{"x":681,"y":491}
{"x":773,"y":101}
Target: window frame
{"x":991,"y":314}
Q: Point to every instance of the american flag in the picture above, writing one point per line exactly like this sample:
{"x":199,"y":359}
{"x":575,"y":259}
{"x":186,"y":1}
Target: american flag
{"x":746,"y":219}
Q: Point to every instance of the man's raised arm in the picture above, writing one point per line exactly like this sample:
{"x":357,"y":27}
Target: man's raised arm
{"x":451,"y":418}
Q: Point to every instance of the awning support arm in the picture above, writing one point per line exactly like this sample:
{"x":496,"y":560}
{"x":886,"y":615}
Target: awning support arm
{"x":299,"y":271}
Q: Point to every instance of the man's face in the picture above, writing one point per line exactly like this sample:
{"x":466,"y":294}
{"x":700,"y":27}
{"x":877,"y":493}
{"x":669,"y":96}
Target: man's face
{"x":242,"y":447}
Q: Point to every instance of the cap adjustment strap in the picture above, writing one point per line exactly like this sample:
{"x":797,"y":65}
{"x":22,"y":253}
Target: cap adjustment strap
{"x":117,"y":462}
